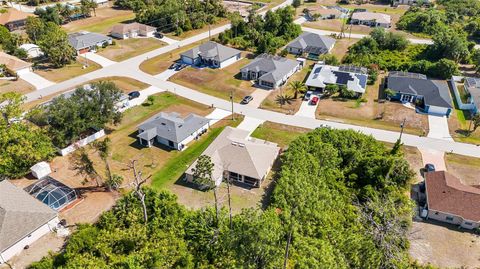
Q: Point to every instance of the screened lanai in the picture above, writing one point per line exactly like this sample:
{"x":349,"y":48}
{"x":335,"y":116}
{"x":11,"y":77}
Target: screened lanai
{"x":52,"y":193}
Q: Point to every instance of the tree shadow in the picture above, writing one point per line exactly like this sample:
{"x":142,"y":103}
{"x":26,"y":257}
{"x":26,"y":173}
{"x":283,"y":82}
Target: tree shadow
{"x":267,"y":195}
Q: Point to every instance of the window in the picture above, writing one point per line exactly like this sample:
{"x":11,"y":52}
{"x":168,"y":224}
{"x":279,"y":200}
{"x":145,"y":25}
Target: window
{"x":267,"y":84}
{"x":468,"y":223}
{"x":449,"y":218}
{"x":235,"y":176}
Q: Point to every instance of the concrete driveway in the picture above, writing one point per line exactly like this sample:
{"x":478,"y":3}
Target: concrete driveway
{"x":438,"y":128}
{"x":168,"y":40}
{"x":258,"y":96}
{"x":217,"y":115}
{"x":165,"y":75}
{"x":144,"y":94}
{"x":98,"y":59}
{"x":250,"y":124}
{"x":434,"y":157}
{"x":307,"y":109}
{"x":37,"y":81}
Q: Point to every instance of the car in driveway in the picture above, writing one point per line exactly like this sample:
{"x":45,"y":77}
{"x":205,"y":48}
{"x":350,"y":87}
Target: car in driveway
{"x":247,"y":99}
{"x":429,"y":167}
{"x":133,"y":95}
{"x":180,"y":67}
{"x":307,"y":95}
{"x":173,"y":66}
{"x":314,"y":100}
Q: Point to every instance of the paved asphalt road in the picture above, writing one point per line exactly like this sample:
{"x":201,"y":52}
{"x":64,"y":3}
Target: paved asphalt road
{"x":130,"y":68}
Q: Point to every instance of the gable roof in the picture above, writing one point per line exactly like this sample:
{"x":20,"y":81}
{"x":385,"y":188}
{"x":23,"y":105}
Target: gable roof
{"x":131,"y":27}
{"x":371,"y":16}
{"x":211,"y":50}
{"x":435,"y":93}
{"x":473,"y":87}
{"x":446,"y":193}
{"x":313,"y":42}
{"x":322,"y":10}
{"x":83,"y":40}
{"x":234,"y":151}
{"x":12,"y":15}
{"x":171,"y":126}
{"x":12,"y":62}
{"x":354,"y":78}
{"x":20,"y":214}
{"x":274,"y":67}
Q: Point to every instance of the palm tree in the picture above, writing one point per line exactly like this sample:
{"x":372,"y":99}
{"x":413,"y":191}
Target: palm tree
{"x":297,"y":87}
{"x":283,"y":99}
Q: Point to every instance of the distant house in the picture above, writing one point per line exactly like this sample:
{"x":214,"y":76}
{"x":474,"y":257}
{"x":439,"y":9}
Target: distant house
{"x":355,"y":78}
{"x":171,"y":130}
{"x":449,"y":200}
{"x":372,"y":19}
{"x":132,"y":30}
{"x":14,"y":19}
{"x":84,"y":42}
{"x":33,"y":51}
{"x":211,"y":54}
{"x":23,"y":220}
{"x":311,"y":44}
{"x":314,"y":13}
{"x":472,"y":87}
{"x":270,"y":71}
{"x":14,"y":64}
{"x":432,"y":97}
{"x":243,"y":159}
{"x":409,"y":2}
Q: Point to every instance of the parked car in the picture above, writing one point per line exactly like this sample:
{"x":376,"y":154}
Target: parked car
{"x":133,"y":95}
{"x":158,"y":35}
{"x":314,"y":101}
{"x":429,"y":167}
{"x":180,"y":67}
{"x":307,"y":95}
{"x":173,"y":66}
{"x":323,"y":126}
{"x":247,"y":99}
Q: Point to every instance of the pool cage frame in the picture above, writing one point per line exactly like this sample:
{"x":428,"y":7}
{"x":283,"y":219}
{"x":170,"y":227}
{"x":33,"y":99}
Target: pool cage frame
{"x":52,"y":193}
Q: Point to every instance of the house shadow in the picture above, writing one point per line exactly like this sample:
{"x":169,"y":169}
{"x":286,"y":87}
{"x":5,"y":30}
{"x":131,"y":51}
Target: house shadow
{"x":449,"y":226}
{"x":267,"y":195}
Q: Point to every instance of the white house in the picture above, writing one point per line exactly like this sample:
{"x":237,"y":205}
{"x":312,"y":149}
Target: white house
{"x":171,"y":130}
{"x":354,"y":78}
{"x":372,"y":19}
{"x":132,"y":30}
{"x":23,"y":220}
{"x":311,"y":44}
{"x":33,"y":51}
{"x":211,"y":54}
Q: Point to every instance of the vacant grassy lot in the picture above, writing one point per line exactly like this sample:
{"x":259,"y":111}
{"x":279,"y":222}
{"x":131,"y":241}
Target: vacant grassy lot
{"x":281,"y":134}
{"x":160,"y":63}
{"x":128,"y":48}
{"x":106,"y":18}
{"x":216,"y":82}
{"x":67,"y":72}
{"x":465,"y":168}
{"x":341,"y":47}
{"x":124,"y":83}
{"x":19,"y":86}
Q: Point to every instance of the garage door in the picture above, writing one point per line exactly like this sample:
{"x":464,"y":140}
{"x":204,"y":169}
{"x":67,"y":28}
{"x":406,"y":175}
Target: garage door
{"x":436,"y":110}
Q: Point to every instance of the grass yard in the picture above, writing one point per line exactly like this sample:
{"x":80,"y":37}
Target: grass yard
{"x":465,"y":168}
{"x":124,"y":83}
{"x":459,"y":124}
{"x":160,"y":63}
{"x":216,"y":82}
{"x":128,"y":48}
{"x":187,"y":34}
{"x":341,"y":47}
{"x":19,"y":86}
{"x":106,"y":18}
{"x":281,"y":134}
{"x":67,"y":72}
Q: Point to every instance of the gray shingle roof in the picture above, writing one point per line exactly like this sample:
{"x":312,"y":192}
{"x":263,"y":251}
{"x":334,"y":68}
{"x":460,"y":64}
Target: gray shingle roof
{"x":171,"y":126}
{"x":20,"y":214}
{"x":211,"y":50}
{"x":435,"y":93}
{"x":307,"y":39}
{"x":83,"y":40}
{"x":274,"y":67}
{"x":473,"y":86}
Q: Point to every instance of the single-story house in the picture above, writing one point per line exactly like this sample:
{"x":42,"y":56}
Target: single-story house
{"x":449,"y":200}
{"x":33,"y":51}
{"x":84,"y":42}
{"x":472,"y":87}
{"x":23,"y":220}
{"x":172,"y":130}
{"x":355,"y":78}
{"x":14,"y":64}
{"x":270,"y":71}
{"x":314,"y":13}
{"x":311,"y":44}
{"x":409,"y":2}
{"x":132,"y":30}
{"x":14,"y":19}
{"x":373,"y":19}
{"x":241,"y":158}
{"x":433,"y":96}
{"x":211,"y":54}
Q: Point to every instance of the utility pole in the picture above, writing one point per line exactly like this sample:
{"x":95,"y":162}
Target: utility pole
{"x":231,"y":101}
{"x":401,"y":131}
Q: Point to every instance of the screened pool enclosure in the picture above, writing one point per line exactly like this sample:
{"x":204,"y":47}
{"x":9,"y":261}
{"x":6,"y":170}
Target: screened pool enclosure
{"x":52,"y":193}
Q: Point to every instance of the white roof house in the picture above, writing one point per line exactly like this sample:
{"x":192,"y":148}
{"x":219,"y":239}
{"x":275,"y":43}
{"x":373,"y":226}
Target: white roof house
{"x":40,"y":170}
{"x":33,"y":51}
{"x":374,"y":19}
{"x":353,"y":77}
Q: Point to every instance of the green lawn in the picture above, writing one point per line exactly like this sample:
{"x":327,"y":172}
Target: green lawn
{"x":278,"y":133}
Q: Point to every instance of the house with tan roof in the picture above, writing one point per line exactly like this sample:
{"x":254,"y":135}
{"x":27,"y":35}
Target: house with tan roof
{"x":372,"y":19}
{"x":14,"y":19}
{"x":23,"y":220}
{"x":14,"y":64}
{"x":243,"y":159}
{"x":314,"y":13}
{"x":132,"y":30}
{"x":449,"y":200}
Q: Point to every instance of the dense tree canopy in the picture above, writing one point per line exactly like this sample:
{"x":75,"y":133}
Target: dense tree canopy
{"x":262,"y":34}
{"x":339,"y":201}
